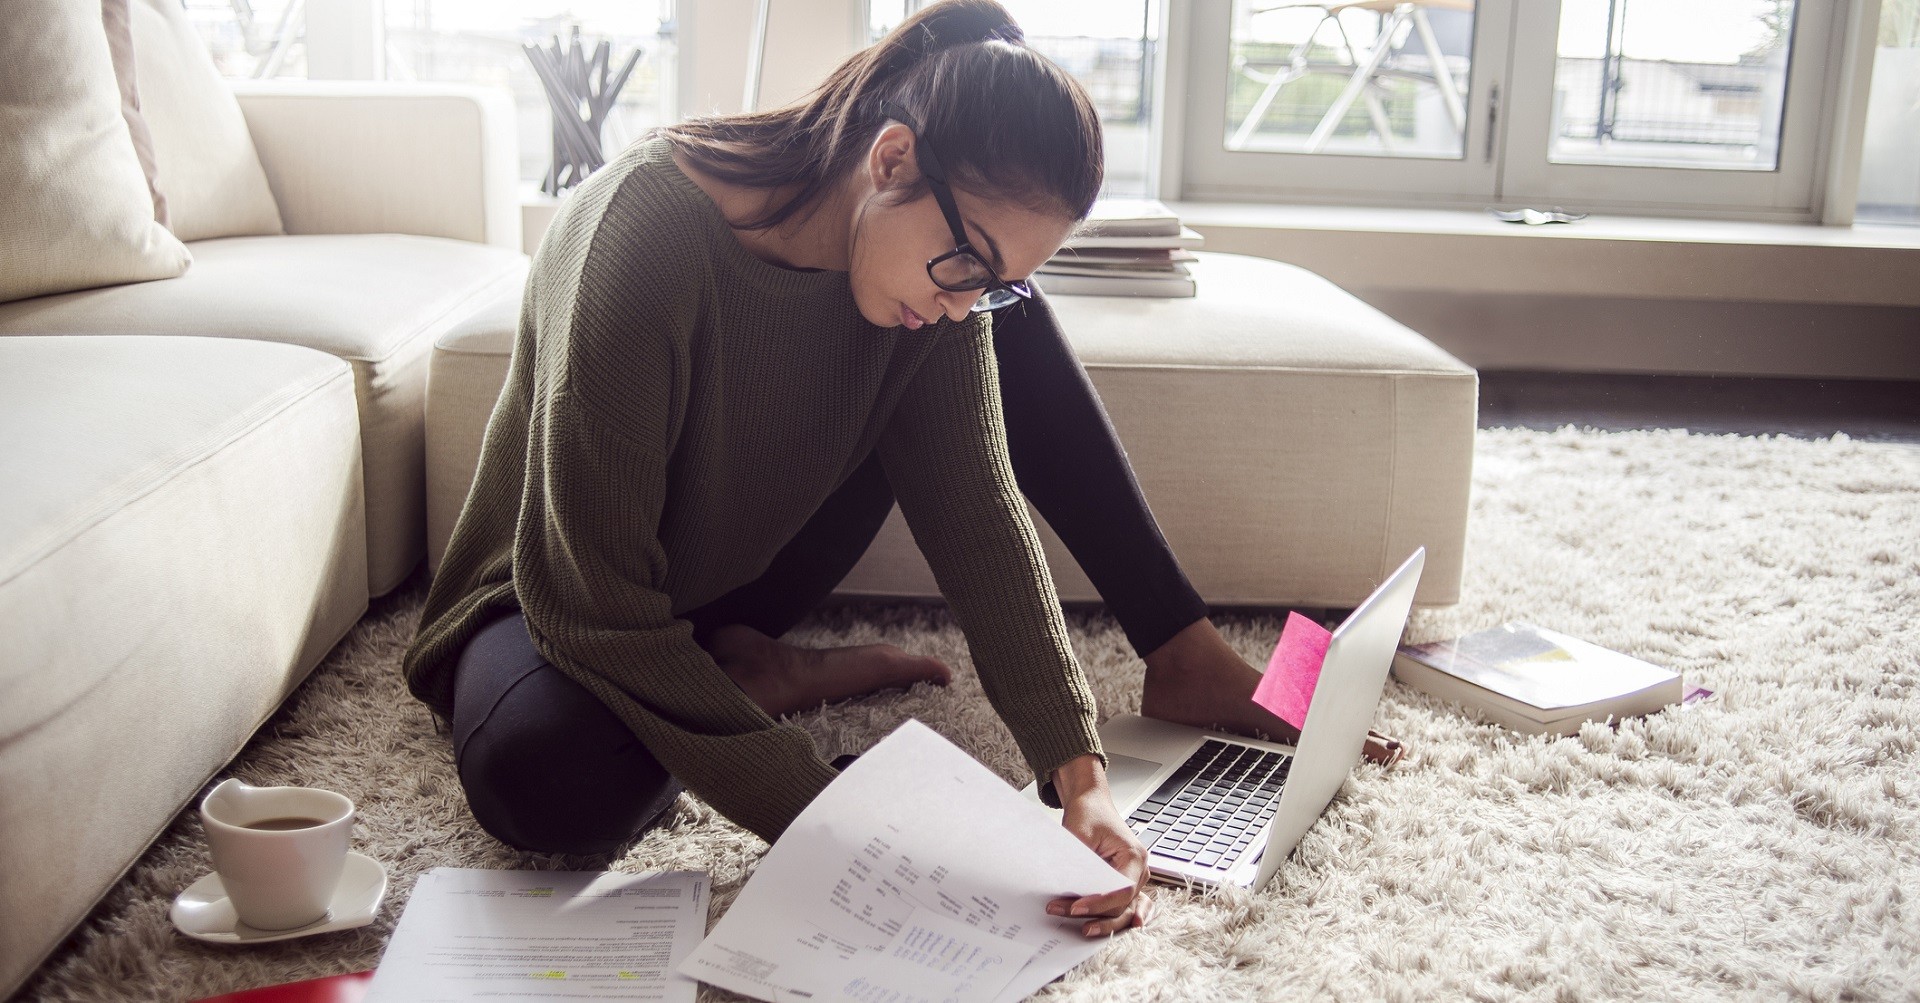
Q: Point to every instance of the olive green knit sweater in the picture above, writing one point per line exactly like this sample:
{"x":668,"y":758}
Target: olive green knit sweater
{"x":675,"y":411}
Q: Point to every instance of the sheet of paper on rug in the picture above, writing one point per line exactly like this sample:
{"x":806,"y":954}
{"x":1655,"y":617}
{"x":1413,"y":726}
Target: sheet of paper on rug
{"x":472,"y":934}
{"x":1286,"y":688}
{"x":917,"y":874}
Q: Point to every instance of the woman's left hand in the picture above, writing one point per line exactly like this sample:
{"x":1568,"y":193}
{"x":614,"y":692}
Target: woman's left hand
{"x":1093,"y":819}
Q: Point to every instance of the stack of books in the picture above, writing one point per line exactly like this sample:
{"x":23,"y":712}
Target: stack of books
{"x":1127,"y":247}
{"x":1539,"y":681}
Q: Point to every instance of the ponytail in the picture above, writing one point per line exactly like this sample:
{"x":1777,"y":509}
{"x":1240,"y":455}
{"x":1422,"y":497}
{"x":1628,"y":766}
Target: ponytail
{"x":1007,"y":121}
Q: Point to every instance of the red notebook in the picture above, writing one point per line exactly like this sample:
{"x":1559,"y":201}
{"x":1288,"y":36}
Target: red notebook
{"x":329,"y":989}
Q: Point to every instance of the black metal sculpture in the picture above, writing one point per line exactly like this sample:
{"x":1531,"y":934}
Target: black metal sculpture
{"x":579,"y":105}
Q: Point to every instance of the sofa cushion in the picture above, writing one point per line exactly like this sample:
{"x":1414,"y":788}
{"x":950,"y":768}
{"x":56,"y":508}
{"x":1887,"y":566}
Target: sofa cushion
{"x":74,"y":203}
{"x":181,"y":541}
{"x":376,"y":300}
{"x":205,"y":162}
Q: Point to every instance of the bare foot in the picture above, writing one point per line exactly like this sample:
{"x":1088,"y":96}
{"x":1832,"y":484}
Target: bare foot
{"x":1197,"y":679}
{"x":783,"y":679}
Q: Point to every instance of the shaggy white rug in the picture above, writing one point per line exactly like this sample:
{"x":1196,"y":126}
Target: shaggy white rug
{"x":1762,"y":844}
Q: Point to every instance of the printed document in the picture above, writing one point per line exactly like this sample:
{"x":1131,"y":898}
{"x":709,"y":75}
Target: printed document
{"x":543,"y":935}
{"x":917,"y":875}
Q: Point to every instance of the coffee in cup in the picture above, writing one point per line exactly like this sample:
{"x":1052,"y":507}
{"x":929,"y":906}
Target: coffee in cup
{"x":279,"y":850}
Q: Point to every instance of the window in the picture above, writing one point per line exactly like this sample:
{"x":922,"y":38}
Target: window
{"x":1686,"y":85}
{"x":1890,"y":161}
{"x":1110,"y":46}
{"x":252,"y":39}
{"x":1356,"y":79}
{"x":466,"y":42}
{"x":1668,"y":105}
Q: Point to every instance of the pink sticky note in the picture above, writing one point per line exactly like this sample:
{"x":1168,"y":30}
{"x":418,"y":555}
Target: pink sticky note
{"x":1294,"y":669}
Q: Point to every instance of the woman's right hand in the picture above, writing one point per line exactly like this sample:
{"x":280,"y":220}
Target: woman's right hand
{"x":1093,"y":819}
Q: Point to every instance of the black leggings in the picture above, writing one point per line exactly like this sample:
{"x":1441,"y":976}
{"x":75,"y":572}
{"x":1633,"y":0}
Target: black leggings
{"x":548,"y":767}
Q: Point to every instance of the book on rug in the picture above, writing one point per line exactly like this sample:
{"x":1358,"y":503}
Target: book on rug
{"x":1539,"y":681}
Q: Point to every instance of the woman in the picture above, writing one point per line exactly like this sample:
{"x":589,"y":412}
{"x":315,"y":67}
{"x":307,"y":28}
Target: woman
{"x":740,"y":342}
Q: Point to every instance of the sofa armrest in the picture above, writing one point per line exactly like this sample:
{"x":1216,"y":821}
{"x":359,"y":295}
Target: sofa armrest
{"x":437,"y":160}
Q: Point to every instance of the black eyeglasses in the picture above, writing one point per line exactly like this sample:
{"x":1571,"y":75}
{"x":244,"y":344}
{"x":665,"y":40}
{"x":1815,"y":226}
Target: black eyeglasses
{"x":962,"y":269}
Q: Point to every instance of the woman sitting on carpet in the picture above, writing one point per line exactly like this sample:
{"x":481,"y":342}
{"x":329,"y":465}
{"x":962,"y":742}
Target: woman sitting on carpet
{"x":742,"y":341}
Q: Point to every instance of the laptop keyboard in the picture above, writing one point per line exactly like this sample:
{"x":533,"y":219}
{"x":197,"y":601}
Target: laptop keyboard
{"x":1214,"y":804}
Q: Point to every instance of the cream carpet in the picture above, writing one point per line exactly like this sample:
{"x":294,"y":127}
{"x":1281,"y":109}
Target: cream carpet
{"x":1760,"y":845}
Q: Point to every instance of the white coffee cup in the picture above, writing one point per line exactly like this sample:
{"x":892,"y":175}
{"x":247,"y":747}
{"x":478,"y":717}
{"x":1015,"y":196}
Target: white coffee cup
{"x":277,"y":878}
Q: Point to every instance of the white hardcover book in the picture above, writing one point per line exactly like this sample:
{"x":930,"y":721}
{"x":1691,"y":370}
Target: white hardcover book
{"x":1537,"y":680}
{"x":1159,"y":255}
{"x":1163,"y":287}
{"x":1118,"y":270}
{"x":1188,"y":238}
{"x":1126,"y":217}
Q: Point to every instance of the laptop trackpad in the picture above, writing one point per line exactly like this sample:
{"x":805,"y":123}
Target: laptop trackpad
{"x":1127,"y":778}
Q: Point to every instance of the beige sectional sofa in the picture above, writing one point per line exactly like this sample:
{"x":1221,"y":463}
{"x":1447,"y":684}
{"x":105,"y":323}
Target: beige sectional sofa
{"x":207,"y":476}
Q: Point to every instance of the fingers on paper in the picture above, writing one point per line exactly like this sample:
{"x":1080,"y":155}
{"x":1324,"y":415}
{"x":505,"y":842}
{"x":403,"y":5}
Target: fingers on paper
{"x":1106,"y":914}
{"x":1136,"y":915}
{"x":1110,"y":904}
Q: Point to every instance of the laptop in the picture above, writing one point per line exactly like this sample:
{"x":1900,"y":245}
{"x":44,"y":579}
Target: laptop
{"x":1220,"y":809}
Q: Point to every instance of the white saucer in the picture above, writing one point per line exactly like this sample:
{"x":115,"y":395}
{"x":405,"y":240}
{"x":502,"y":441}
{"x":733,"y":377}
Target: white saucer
{"x":204,"y":913}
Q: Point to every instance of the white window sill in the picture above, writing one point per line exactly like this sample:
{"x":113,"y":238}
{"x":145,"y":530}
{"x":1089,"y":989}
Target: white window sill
{"x":1460,"y":251}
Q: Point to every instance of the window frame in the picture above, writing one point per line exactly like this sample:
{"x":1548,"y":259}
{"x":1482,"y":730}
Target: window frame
{"x":1820,"y":107}
{"x":1788,"y":192}
{"x":1212,"y":172}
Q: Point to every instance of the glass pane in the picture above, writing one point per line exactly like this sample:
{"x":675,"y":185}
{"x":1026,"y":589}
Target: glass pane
{"x":1890,"y":161}
{"x":470,"y":42}
{"x":252,"y":38}
{"x":1378,"y":78}
{"x":1109,"y":45}
{"x":1671,"y":83}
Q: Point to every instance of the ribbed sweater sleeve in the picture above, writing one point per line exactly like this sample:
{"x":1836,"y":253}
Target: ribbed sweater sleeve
{"x":945,"y":452}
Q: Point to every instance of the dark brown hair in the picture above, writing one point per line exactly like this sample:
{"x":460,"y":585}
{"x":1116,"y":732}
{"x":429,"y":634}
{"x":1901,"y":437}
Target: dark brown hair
{"x":1006,"y":122}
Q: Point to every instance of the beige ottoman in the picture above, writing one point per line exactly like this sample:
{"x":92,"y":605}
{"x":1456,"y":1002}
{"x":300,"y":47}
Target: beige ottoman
{"x":1295,"y":443}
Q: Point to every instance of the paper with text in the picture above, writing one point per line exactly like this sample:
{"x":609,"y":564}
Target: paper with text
{"x":917,"y":874}
{"x":543,"y":935}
